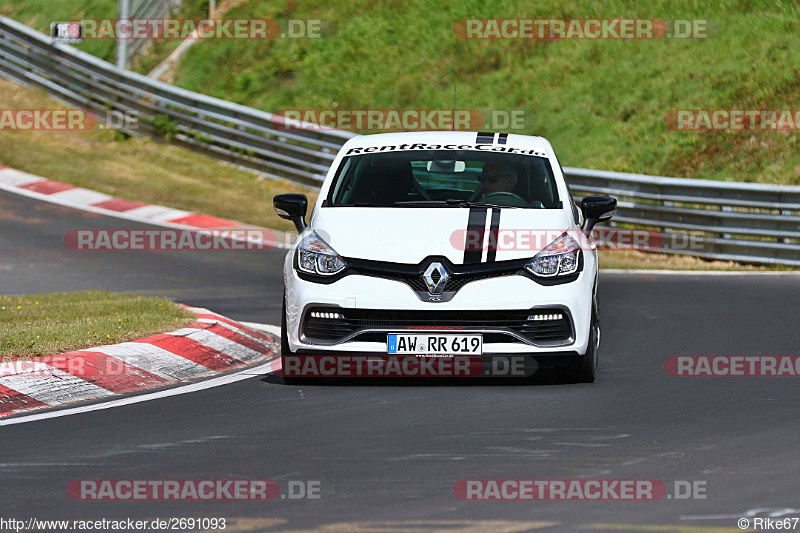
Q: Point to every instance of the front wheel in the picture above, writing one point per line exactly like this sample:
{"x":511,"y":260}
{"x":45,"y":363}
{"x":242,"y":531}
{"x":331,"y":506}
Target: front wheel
{"x":285,"y":350}
{"x":584,"y":368}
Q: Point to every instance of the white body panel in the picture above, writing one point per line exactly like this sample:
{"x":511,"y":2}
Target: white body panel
{"x":410,"y":235}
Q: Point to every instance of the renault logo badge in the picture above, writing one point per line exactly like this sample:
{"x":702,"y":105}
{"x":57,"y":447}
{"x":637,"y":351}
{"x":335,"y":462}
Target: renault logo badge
{"x":436,"y":277}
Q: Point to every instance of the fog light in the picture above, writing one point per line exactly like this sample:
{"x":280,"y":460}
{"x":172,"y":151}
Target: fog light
{"x":550,"y":317}
{"x":319,"y":314}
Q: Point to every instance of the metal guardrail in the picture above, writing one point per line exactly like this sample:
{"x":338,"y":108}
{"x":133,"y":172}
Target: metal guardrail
{"x":713,"y":219}
{"x":242,"y":135}
{"x":716,"y":220}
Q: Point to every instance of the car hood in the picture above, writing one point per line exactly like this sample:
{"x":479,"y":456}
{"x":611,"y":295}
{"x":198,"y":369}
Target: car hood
{"x":409,"y":235}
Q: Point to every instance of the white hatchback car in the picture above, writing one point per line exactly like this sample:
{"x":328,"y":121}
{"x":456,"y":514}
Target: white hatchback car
{"x":471,"y":237}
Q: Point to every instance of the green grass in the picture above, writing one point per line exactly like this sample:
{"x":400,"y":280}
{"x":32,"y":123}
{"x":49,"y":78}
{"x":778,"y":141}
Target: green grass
{"x":601,"y":102}
{"x":139,"y":168}
{"x":50,"y":324}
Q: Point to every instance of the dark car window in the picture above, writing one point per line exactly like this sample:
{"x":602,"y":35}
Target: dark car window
{"x":575,"y":210}
{"x":435,"y":177}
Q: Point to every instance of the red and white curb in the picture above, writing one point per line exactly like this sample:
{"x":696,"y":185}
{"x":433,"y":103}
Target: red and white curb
{"x":210,"y":346}
{"x":67,"y":195}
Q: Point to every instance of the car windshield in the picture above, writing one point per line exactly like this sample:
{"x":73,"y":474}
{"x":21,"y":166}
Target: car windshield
{"x":444,"y":178}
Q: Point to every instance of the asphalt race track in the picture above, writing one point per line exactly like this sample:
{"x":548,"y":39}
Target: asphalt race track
{"x":389,"y":453}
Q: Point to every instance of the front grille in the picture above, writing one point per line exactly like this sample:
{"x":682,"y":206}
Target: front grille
{"x":458,"y":281}
{"x":455,"y":282}
{"x":411,"y":275}
{"x":330,"y":325}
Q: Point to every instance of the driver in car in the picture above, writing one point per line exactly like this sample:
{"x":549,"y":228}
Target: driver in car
{"x":496,"y":178}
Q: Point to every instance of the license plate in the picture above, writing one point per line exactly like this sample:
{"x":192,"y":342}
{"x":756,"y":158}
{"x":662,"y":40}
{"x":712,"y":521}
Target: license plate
{"x":435,"y":344}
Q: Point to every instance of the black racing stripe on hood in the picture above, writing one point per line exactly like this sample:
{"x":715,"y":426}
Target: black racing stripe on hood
{"x":494,"y":231}
{"x":473,"y":242}
{"x":484,"y":138}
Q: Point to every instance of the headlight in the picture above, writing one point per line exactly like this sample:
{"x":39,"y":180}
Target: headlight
{"x":314,"y":256}
{"x":559,"y":258}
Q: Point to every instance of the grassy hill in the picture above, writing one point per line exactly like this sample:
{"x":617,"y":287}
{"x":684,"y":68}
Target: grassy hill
{"x":601,"y":102}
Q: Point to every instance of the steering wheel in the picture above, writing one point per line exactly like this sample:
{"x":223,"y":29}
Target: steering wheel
{"x":474,"y":197}
{"x":506,"y":198}
{"x":419,"y":190}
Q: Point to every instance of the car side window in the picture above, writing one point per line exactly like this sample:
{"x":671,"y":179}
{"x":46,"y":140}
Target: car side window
{"x":576,"y":213}
{"x":341,"y":185}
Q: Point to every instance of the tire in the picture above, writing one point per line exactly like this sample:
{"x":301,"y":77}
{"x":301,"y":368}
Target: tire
{"x":284,"y":334}
{"x":584,"y":368}
{"x":285,"y":350}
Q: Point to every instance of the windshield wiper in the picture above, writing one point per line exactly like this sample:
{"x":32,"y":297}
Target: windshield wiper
{"x":449,"y":202}
{"x":467,"y":203}
{"x":423,"y":203}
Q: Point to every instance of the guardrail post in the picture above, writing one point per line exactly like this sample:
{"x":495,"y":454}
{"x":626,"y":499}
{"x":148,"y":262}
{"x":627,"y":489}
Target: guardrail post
{"x":787,"y":212}
{"x":122,"y":44}
{"x":726,"y":209}
{"x":667,"y":203}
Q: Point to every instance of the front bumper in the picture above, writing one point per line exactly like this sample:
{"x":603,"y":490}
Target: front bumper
{"x":496,"y":294}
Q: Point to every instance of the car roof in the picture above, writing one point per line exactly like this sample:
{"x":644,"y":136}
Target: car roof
{"x":441,"y":138}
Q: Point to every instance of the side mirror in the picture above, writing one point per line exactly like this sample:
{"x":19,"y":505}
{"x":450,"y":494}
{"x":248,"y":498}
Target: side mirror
{"x":597,"y":209}
{"x":292,"y":207}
